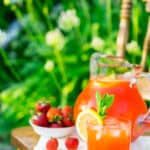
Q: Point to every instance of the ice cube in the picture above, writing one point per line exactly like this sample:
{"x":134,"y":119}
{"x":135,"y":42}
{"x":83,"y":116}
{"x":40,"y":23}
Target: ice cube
{"x":99,"y":134}
{"x":115,"y":132}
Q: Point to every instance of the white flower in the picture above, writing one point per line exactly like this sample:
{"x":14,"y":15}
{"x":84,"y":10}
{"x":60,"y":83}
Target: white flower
{"x":3,"y":37}
{"x":49,"y":66}
{"x":68,"y":20}
{"x":7,"y":2}
{"x":55,"y":39}
{"x":133,"y":48}
{"x":97,"y":43}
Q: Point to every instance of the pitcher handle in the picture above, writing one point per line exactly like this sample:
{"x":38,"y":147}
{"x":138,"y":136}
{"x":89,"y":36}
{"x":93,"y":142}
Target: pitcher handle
{"x":143,"y":84}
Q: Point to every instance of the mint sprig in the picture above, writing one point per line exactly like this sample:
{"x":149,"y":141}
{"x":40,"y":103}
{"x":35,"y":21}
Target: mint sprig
{"x":103,"y":103}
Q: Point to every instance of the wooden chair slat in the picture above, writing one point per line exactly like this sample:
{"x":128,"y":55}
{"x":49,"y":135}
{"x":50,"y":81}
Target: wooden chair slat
{"x":124,"y":27}
{"x":123,"y":33}
{"x":146,"y":46}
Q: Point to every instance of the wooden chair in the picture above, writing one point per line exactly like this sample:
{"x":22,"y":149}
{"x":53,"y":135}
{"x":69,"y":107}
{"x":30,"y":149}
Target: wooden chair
{"x":124,"y":31}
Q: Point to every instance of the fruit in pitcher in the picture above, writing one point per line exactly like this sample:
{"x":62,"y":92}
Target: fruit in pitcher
{"x":52,"y":144}
{"x":54,"y":115}
{"x":42,"y":107}
{"x":40,"y":120}
{"x":71,"y":143}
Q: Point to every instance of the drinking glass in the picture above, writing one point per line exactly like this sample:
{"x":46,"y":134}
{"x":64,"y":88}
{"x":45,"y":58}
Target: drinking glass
{"x":114,"y":134}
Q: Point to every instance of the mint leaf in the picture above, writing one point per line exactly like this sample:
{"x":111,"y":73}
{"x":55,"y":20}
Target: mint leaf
{"x":103,"y":103}
{"x":98,"y":101}
{"x":107,"y":100}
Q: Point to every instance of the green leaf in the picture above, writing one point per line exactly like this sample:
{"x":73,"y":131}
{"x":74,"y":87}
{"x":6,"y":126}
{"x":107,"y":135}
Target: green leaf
{"x":103,"y":103}
{"x":107,"y":100}
{"x":98,"y":101}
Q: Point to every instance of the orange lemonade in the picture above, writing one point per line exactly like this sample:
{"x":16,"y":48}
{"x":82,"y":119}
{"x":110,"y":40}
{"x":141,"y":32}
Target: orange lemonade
{"x":128,"y":101}
{"x":110,"y":75}
{"x":112,"y":135}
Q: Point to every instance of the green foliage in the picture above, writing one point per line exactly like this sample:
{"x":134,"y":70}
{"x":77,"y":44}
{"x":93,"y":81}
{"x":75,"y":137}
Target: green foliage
{"x":104,"y":103}
{"x":24,"y":77}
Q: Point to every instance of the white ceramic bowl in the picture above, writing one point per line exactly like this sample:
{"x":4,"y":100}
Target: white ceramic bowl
{"x":52,"y":132}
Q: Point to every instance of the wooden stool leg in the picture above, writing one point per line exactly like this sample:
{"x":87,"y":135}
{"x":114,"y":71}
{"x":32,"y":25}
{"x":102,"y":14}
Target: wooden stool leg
{"x":146,"y":46}
{"x":124,"y":27}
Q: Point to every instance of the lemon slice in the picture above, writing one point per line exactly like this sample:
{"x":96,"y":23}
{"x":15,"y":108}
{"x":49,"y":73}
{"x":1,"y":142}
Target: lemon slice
{"x":109,"y":77}
{"x":85,"y":117}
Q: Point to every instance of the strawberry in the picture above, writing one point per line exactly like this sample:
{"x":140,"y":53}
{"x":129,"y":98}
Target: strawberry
{"x":67,"y":111}
{"x":56,"y":125}
{"x":42,"y":107}
{"x":67,"y":116}
{"x":54,"y":115}
{"x":72,"y":143}
{"x":52,"y":144}
{"x":40,"y":120}
{"x":68,"y":122}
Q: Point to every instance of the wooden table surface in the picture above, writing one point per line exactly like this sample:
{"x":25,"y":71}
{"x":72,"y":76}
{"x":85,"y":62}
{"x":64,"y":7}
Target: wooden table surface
{"x":25,"y":138}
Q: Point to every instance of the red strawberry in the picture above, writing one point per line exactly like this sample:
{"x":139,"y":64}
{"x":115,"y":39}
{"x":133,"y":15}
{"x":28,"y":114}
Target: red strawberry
{"x":54,"y":115}
{"x":72,"y":143}
{"x":56,"y":125}
{"x":42,"y":107}
{"x":52,"y":144}
{"x":40,"y":120}
{"x":68,"y":122}
{"x":67,"y":111}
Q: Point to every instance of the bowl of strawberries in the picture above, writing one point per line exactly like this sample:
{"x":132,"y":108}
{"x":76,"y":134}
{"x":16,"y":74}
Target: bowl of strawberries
{"x":51,"y":121}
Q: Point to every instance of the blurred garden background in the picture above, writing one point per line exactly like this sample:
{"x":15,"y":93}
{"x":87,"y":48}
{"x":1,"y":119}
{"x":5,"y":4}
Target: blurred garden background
{"x":45,"y":47}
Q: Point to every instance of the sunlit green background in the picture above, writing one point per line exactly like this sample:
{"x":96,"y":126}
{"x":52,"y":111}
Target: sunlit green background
{"x":45,"y":47}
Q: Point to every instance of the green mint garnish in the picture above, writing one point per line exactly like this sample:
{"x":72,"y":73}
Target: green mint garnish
{"x":103,"y":103}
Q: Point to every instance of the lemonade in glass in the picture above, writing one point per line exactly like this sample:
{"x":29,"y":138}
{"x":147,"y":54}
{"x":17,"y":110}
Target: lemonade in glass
{"x":114,"y":134}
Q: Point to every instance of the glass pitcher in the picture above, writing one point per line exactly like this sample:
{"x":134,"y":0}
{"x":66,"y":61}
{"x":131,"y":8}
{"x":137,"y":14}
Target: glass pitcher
{"x":113,"y":75}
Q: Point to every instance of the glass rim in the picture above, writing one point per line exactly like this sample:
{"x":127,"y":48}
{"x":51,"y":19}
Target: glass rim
{"x":123,"y":120}
{"x":126,"y":64}
{"x":103,"y":65}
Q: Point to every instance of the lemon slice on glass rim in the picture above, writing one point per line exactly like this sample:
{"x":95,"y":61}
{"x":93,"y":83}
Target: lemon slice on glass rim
{"x":84,"y":118}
